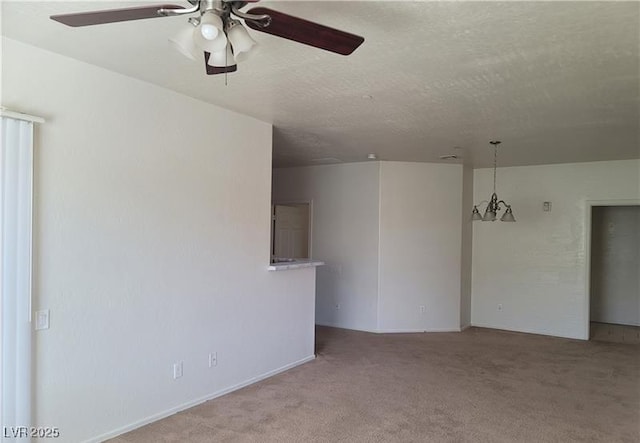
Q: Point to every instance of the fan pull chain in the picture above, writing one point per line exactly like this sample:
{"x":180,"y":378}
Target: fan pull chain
{"x":226,"y":66}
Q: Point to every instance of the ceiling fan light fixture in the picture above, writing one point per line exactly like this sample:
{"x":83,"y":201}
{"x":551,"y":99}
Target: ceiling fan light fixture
{"x":215,"y":45}
{"x":210,"y":25}
{"x":184,"y":43}
{"x":222,"y":59}
{"x":242,"y":43}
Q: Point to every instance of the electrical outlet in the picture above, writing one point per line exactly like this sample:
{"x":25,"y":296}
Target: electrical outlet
{"x":177,"y":370}
{"x":42,"y":319}
{"x":423,"y":309}
{"x":499,"y":306}
{"x":213,"y":359}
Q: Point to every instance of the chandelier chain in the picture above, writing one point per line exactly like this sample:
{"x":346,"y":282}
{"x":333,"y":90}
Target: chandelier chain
{"x":495,"y":165}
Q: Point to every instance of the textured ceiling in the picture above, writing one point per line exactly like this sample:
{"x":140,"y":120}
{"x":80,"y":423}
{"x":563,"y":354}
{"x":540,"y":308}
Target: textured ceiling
{"x":556,"y":81}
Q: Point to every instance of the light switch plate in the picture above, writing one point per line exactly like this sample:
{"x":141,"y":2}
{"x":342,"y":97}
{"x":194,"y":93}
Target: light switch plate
{"x":42,"y":319}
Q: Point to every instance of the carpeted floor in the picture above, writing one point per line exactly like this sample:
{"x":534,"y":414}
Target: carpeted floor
{"x":480,"y":385}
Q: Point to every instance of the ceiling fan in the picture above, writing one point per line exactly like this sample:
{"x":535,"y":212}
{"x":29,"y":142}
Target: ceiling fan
{"x":214,"y":29}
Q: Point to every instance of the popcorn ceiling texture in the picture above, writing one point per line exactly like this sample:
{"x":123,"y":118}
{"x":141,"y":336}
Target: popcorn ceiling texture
{"x":556,"y":81}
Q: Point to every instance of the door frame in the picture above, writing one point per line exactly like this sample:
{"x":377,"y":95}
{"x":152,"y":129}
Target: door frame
{"x":589,"y":205}
{"x":293,"y":202}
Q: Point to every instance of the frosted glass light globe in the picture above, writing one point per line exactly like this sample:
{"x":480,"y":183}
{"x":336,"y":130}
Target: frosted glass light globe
{"x":208,"y":31}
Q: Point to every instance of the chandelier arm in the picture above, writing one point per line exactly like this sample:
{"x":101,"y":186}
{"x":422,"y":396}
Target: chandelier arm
{"x":171,"y":12}
{"x":262,"y":20}
{"x":486,"y":202}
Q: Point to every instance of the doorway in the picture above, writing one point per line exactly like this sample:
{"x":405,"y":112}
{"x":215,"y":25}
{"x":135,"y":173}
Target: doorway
{"x":614,"y":274}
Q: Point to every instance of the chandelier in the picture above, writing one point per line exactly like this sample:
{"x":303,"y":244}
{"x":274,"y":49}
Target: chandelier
{"x":493,"y":205}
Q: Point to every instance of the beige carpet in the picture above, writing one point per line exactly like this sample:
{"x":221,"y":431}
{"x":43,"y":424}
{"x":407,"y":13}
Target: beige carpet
{"x":478,"y":386}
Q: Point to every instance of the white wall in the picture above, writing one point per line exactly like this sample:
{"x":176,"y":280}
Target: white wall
{"x":420,"y":246}
{"x":151,"y":246}
{"x":537,"y":267}
{"x":344,"y":235}
{"x":615,"y":265}
{"x":467,"y":246}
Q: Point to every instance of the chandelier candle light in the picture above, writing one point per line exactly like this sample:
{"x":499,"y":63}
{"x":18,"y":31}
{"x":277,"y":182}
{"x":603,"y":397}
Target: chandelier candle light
{"x":493,"y":205}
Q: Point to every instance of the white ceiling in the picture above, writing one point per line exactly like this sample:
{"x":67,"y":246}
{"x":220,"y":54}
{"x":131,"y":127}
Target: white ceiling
{"x":555,"y":81}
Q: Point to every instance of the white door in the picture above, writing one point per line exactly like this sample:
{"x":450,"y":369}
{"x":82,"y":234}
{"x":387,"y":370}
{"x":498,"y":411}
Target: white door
{"x":291,"y":231}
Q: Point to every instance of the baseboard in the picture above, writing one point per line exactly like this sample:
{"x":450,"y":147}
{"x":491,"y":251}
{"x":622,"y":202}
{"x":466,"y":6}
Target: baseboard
{"x":190,"y":404}
{"x":462,"y":328}
{"x":374,"y":331}
{"x":415,"y":331}
{"x":392,"y":331}
{"x":526,"y":331}
{"x":329,"y":325}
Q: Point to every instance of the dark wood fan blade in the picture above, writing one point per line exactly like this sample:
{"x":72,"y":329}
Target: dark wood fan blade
{"x":213,"y":70}
{"x":306,"y":32}
{"x":111,"y":15}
